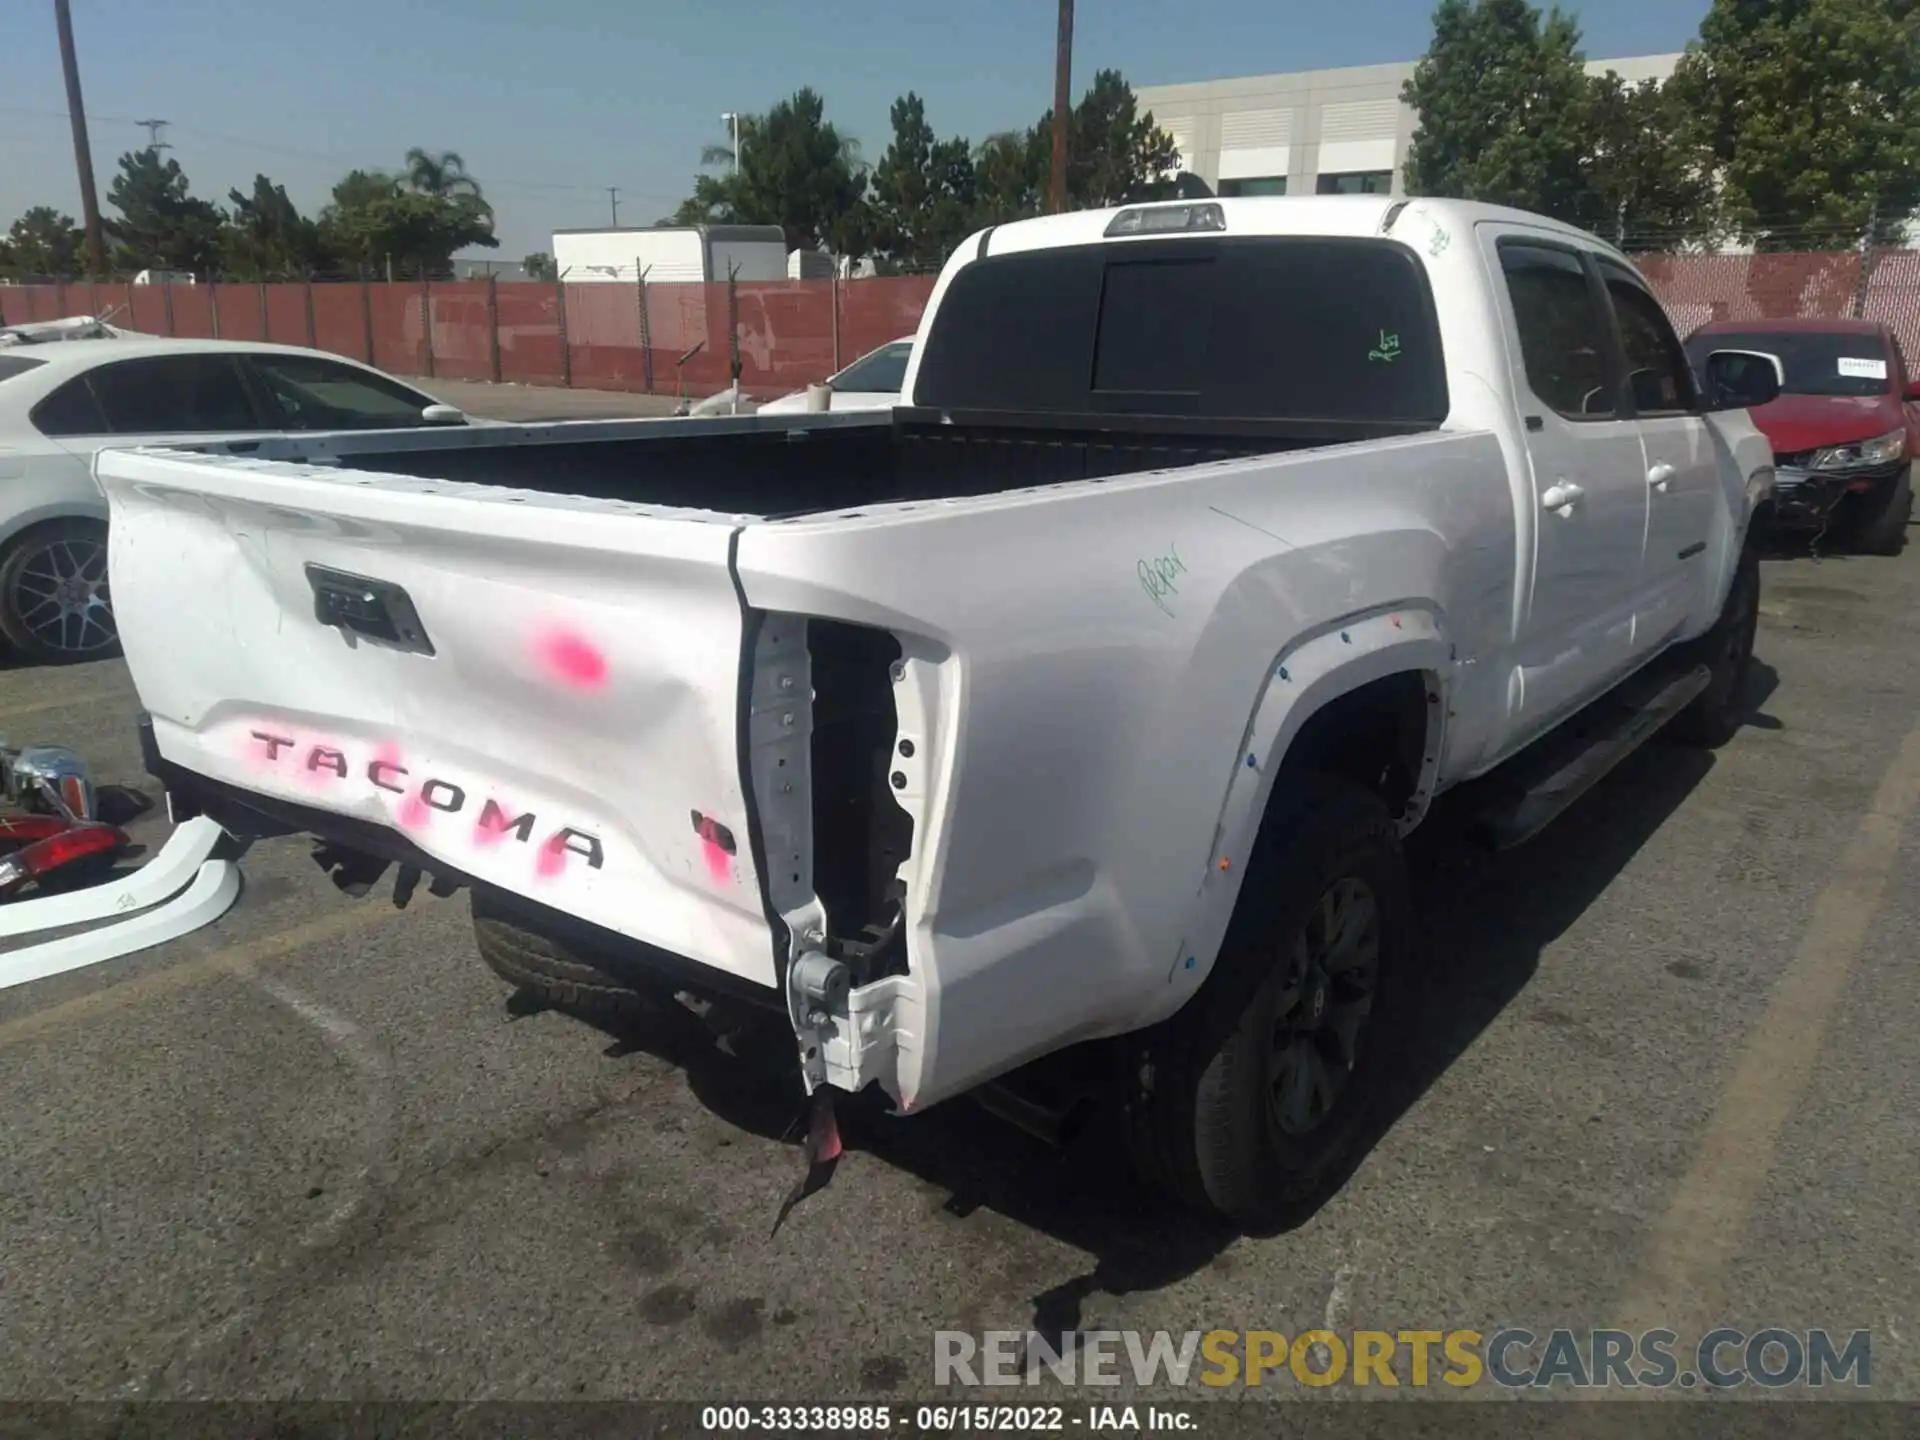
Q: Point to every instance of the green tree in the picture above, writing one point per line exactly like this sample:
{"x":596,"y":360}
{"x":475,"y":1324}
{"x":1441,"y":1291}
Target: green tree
{"x":440,"y":173}
{"x":923,"y":195}
{"x":1010,"y":174}
{"x":162,"y":225}
{"x":1114,"y":153}
{"x":538,"y":265}
{"x":1112,"y":149}
{"x":376,"y":224}
{"x":795,"y":170}
{"x":1501,"y":98}
{"x":1647,"y":182}
{"x":267,"y":238}
{"x":44,"y":242}
{"x":1810,"y":110}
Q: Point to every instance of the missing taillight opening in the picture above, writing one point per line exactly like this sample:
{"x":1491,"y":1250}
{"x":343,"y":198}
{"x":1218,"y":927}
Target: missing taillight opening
{"x":861,"y":835}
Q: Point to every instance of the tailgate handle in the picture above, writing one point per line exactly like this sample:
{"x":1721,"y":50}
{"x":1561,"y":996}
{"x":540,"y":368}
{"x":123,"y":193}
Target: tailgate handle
{"x":377,"y":610}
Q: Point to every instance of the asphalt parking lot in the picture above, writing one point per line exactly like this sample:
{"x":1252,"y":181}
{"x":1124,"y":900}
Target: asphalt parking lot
{"x":1669,"y":1074}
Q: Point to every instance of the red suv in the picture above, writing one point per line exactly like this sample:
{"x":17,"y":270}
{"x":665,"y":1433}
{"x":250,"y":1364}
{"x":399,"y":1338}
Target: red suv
{"x":1845,"y":428}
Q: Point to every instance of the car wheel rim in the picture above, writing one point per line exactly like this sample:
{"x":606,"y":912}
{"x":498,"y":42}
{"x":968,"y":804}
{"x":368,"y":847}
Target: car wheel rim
{"x":1332,"y":981}
{"x":62,"y":598}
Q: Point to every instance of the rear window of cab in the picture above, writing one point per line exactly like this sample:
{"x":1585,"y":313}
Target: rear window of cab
{"x":1277,"y":328}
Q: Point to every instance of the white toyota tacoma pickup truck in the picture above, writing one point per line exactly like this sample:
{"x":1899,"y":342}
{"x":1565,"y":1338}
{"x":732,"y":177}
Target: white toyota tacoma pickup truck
{"x":1087,"y":696}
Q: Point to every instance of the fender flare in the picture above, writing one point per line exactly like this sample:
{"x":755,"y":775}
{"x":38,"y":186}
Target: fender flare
{"x":1312,"y":672}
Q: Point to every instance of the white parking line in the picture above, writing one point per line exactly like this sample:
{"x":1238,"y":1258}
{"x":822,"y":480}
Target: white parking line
{"x":1683,"y":1275}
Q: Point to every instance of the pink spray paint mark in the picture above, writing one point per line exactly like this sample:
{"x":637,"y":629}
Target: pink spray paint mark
{"x":411,"y":813}
{"x":553,"y":857}
{"x":486,"y":836}
{"x":572,"y":660}
{"x":719,"y":863}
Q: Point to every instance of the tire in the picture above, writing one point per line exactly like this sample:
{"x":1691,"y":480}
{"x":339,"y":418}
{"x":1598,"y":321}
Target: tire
{"x":1204,"y":1090}
{"x":1726,"y":650}
{"x":55,"y":604}
{"x":1880,"y":526}
{"x":561,"y":975}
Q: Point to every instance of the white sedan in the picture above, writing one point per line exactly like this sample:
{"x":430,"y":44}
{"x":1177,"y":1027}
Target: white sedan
{"x":870,"y":383}
{"x":62,"y":400}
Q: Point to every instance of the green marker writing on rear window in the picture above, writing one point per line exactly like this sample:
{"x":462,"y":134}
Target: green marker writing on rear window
{"x":1388,"y":349}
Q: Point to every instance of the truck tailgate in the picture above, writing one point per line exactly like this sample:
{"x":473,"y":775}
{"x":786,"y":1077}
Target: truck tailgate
{"x":540,"y":691}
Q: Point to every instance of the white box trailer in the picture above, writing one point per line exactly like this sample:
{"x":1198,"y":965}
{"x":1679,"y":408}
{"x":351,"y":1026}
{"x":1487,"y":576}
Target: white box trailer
{"x":667,"y":254}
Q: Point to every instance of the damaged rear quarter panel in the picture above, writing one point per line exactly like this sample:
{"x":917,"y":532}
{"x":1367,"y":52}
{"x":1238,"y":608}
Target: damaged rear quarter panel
{"x":1103,"y":648}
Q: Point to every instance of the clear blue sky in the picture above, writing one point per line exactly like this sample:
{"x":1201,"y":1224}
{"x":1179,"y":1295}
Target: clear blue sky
{"x":550,"y":101}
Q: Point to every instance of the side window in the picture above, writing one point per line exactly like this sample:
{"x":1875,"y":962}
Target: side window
{"x":70,"y":410}
{"x":1562,"y":335}
{"x":1657,"y":370}
{"x":174,"y":395}
{"x":319,"y":394}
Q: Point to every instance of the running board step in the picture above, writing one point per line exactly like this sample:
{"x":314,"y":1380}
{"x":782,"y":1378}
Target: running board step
{"x":1573,"y":764}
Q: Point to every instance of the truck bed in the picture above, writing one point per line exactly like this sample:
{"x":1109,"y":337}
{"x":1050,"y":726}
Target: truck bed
{"x":788,"y":466}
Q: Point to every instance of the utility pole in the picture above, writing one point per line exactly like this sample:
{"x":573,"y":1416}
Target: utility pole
{"x":613,"y":199}
{"x":1062,"y":68}
{"x":732,"y":118}
{"x":1868,"y":239}
{"x":82,"y":151}
{"x":153,"y":129}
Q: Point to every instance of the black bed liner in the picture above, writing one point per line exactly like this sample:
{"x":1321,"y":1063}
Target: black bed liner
{"x":805,"y":465}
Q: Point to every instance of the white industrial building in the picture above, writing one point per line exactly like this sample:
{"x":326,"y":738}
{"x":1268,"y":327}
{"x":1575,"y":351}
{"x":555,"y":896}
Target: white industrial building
{"x":1318,"y":132}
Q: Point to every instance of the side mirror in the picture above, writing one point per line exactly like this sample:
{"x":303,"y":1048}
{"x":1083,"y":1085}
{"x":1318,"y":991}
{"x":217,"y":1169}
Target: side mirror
{"x":1743,"y":379}
{"x":443,"y":415}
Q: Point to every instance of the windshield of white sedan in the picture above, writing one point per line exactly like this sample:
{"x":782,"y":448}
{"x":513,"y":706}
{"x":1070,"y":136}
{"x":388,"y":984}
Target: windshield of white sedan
{"x":1816,"y":364}
{"x":881,"y":373}
{"x":318,"y":394}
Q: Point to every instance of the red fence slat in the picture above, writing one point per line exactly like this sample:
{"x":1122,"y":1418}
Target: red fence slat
{"x":287,"y":315}
{"x":340,"y":320}
{"x":399,"y":328}
{"x":529,"y":327}
{"x":872,"y":312}
{"x":242,"y":311}
{"x":462,"y":344}
{"x":192,"y":311}
{"x":148,"y":311}
{"x":603,"y":336}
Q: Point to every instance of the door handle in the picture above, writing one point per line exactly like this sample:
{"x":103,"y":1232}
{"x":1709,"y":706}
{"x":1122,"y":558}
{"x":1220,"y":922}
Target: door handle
{"x":1660,"y":475}
{"x":1561,"y":496}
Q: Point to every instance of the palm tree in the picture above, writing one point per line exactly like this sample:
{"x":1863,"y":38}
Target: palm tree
{"x":443,"y":174}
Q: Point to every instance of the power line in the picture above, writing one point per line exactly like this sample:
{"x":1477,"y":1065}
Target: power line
{"x":153,"y":129}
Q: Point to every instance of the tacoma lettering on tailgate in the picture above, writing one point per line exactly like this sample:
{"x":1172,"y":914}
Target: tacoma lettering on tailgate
{"x":493,"y":821}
